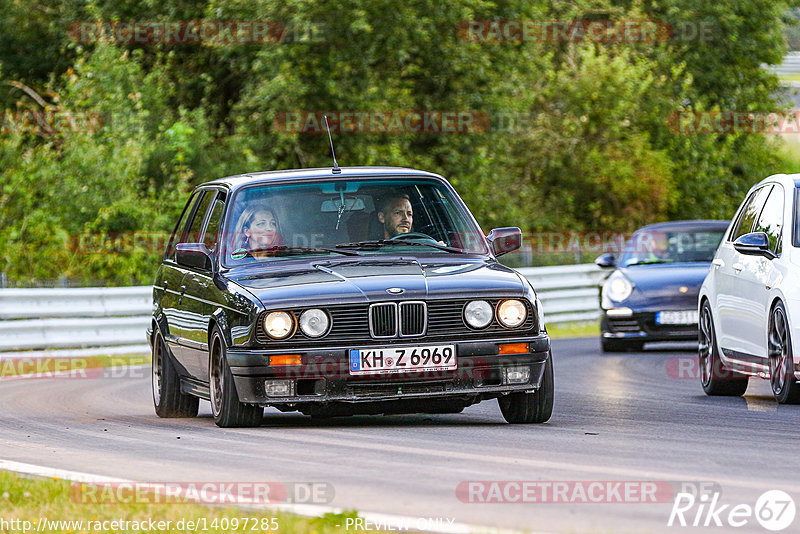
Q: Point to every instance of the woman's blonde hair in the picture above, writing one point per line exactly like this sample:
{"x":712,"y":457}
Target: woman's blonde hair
{"x":240,"y":240}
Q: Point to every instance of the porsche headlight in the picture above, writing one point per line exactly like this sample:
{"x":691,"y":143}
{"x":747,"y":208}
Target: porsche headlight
{"x":278,"y":324}
{"x":314,"y":323}
{"x":617,"y":288}
{"x":478,"y":314}
{"x":511,"y":313}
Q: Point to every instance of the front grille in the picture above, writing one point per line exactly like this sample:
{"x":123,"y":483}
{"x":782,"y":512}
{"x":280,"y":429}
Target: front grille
{"x":383,"y":320}
{"x":445,"y":323}
{"x":623,"y":325}
{"x":384,"y":389}
{"x":413,"y":318}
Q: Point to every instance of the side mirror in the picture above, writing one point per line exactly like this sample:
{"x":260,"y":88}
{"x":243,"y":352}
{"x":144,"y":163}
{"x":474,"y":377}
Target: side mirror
{"x":606,"y":261}
{"x":505,"y":240}
{"x":754,"y":244}
{"x":194,"y":255}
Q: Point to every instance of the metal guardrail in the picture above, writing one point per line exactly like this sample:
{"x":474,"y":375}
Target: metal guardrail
{"x":117,"y":317}
{"x":568,"y":292}
{"x":790,"y":64}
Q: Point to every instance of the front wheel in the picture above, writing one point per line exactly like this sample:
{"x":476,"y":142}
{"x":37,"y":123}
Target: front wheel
{"x":168,"y":399}
{"x":536,"y":407}
{"x":715,"y":378}
{"x":225,"y":406}
{"x":781,"y":363}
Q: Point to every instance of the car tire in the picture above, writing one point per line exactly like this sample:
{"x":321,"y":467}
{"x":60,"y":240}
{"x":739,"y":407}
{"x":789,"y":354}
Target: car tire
{"x":781,"y":363}
{"x":536,"y":407}
{"x":620,"y":345}
{"x":228,"y":412}
{"x":714,"y":377}
{"x":168,"y":399}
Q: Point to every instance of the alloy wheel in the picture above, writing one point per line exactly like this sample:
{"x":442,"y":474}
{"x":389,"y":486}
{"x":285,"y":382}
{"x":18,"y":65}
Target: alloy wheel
{"x":778,"y":351}
{"x":215,"y":376}
{"x":706,"y":346}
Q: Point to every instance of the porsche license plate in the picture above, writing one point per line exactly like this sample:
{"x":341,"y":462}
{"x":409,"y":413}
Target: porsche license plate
{"x":389,"y":360}
{"x":677,"y":317}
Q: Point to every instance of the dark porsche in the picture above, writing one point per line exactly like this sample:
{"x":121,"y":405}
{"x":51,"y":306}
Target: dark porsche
{"x":363,"y":290}
{"x":652,"y":293}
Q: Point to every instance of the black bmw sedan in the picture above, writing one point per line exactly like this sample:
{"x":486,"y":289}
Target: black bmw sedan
{"x":363,"y":290}
{"x":651,"y":295}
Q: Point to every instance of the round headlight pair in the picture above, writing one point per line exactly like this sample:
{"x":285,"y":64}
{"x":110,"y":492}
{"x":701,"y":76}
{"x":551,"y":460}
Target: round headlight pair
{"x":280,"y":324}
{"x":510,"y":313}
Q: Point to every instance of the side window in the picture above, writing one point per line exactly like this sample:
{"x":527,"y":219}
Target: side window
{"x":196,"y":226}
{"x":179,"y":228}
{"x":771,"y":220}
{"x":214,"y":221}
{"x":750,"y":213}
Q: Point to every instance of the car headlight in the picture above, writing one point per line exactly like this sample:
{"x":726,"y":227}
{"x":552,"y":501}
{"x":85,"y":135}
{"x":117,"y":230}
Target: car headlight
{"x":511,"y":313}
{"x":617,"y":287}
{"x":314,"y":323}
{"x":279,"y":324}
{"x":478,"y":314}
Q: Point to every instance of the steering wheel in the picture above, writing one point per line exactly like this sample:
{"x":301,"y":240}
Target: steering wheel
{"x":412,"y":235}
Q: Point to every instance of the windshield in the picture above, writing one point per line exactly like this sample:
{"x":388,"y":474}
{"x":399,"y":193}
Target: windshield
{"x":269,"y":222}
{"x":650,"y":246}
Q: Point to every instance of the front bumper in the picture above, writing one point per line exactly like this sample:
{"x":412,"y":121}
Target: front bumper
{"x":324,"y":376}
{"x":642,"y":326}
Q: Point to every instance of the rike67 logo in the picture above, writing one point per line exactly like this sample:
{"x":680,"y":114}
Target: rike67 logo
{"x":774,"y":510}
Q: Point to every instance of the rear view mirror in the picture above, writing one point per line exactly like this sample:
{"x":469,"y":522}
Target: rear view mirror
{"x":754,"y":244}
{"x":606,"y":261}
{"x":194,"y":255}
{"x":505,"y":240}
{"x":350,"y":204}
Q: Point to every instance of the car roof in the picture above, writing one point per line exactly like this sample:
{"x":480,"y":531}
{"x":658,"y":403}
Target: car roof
{"x":698,"y":224}
{"x":239,"y":180}
{"x":787,"y":180}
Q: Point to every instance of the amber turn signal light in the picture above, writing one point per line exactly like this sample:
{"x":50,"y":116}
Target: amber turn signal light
{"x":285,"y":359}
{"x":513,"y":348}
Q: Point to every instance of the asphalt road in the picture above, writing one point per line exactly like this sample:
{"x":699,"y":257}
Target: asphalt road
{"x":623,"y":417}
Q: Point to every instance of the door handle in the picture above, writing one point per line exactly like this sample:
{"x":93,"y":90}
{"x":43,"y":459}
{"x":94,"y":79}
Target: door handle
{"x":738,"y":267}
{"x":717,"y":262}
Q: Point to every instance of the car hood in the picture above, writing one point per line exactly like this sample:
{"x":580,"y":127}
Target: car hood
{"x":671,"y":286}
{"x":354,"y":280}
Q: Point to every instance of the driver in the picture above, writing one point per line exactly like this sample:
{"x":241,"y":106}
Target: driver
{"x":396,"y":215}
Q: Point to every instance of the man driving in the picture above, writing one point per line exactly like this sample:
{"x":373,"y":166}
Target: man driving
{"x":396,"y":215}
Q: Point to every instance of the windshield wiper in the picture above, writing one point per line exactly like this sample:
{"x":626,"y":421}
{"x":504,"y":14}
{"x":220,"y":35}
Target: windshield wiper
{"x":283,"y":250}
{"x":648,"y":262}
{"x":377,"y":243}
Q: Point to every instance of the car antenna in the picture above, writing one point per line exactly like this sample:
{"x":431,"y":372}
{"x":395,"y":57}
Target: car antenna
{"x":336,"y":169}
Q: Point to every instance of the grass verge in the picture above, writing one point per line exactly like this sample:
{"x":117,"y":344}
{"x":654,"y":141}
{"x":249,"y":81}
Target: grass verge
{"x":576,"y":329}
{"x":33,"y":500}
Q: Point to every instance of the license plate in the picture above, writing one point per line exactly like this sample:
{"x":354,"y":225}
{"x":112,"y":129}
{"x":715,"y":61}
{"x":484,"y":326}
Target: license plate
{"x":677,"y":317}
{"x":390,"y":360}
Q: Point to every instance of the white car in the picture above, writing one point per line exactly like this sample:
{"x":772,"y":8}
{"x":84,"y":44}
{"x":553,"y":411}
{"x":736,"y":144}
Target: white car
{"x":749,"y":303}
